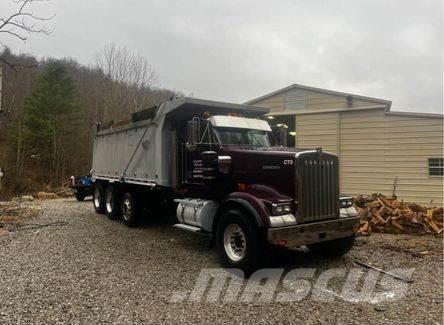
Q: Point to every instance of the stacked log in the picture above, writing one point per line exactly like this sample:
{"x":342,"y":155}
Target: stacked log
{"x":380,"y":213}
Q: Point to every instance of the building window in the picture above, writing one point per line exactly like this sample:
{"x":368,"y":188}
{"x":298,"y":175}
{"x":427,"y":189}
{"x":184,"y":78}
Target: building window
{"x":436,"y":166}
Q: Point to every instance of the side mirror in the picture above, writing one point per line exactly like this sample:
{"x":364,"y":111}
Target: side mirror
{"x":193,"y":132}
{"x":280,"y":134}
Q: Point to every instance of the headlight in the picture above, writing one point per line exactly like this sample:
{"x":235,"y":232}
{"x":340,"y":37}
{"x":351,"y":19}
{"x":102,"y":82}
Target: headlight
{"x":346,"y":202}
{"x":278,"y":209}
{"x":283,"y":220}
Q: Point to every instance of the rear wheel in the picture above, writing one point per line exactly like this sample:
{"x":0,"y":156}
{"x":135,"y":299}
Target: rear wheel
{"x":98,"y":198}
{"x":112,"y":206}
{"x":238,"y":242}
{"x":128,"y":209}
{"x":333,"y":248}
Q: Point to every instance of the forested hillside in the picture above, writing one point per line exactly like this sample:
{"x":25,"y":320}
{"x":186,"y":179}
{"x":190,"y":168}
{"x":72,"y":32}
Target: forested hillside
{"x":50,"y":107}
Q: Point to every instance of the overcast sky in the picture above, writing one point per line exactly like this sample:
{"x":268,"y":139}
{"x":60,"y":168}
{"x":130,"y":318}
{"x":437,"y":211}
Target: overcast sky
{"x":239,"y":50}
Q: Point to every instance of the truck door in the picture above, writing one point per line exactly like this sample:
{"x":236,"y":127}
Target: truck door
{"x":199,"y":157}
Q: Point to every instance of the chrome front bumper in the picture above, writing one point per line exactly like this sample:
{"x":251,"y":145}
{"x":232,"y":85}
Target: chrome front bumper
{"x":304,"y":234}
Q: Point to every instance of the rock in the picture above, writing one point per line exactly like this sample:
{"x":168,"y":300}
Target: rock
{"x":380,"y":307}
{"x":27,"y":198}
{"x":24,"y":198}
{"x":359,"y":241}
{"x":46,"y":195}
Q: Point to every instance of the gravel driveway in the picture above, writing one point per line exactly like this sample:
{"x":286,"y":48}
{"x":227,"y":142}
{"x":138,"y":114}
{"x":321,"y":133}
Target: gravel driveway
{"x":90,"y":270}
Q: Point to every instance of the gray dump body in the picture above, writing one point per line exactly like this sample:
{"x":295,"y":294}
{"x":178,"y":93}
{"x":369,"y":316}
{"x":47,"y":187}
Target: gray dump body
{"x":145,"y":152}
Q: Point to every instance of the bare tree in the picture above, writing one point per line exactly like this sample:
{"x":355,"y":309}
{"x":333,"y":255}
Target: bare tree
{"x":21,"y":23}
{"x":128,"y":80}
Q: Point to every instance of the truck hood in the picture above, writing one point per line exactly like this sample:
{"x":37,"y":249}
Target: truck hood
{"x":274,"y":166}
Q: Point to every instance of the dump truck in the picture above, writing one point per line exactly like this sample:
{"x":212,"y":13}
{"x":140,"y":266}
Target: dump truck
{"x":217,"y":166}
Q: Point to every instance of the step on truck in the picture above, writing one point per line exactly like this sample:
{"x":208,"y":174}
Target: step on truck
{"x":219,"y":168}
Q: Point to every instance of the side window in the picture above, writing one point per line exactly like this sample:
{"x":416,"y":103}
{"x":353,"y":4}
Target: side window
{"x":436,"y":166}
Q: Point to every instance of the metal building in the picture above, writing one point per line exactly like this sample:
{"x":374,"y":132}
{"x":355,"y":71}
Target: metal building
{"x":379,"y":150}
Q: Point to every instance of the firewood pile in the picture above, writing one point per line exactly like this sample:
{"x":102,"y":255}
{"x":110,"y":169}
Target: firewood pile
{"x":390,"y":215}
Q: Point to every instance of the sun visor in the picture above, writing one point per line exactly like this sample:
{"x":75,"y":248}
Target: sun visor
{"x":222,"y":121}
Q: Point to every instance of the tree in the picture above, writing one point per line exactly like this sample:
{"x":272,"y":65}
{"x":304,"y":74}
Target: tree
{"x":48,"y":112}
{"x":26,"y":123}
{"x":127,"y":83}
{"x":21,"y":23}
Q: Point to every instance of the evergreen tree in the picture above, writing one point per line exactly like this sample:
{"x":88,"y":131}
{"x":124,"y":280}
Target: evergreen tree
{"x":48,"y":112}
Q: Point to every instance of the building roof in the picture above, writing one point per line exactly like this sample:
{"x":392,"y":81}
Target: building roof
{"x":387,"y":103}
{"x":415,"y":114}
{"x":383,"y":103}
{"x":329,"y":110}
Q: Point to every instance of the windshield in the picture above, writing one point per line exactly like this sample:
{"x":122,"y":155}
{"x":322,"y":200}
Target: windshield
{"x":256,"y":138}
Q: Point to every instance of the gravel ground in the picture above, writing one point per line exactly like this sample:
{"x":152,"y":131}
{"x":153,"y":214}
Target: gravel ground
{"x":86,"y":269}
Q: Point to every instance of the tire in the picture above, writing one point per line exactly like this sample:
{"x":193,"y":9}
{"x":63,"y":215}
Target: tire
{"x":80,"y":196}
{"x":333,"y":248}
{"x":99,"y":198}
{"x":112,"y":202}
{"x":238,"y":242}
{"x":129,"y":210}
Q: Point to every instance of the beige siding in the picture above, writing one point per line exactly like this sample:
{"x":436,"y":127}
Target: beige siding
{"x":414,"y":183}
{"x":314,"y":100}
{"x":318,"y":130}
{"x":362,"y":154}
{"x":377,"y":148}
{"x":274,"y":103}
{"x":318,"y":101}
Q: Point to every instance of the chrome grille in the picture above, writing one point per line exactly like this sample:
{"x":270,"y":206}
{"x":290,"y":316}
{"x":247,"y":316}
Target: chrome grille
{"x":318,"y":188}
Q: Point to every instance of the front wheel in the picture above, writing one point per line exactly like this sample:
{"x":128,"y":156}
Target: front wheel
{"x":333,"y":248}
{"x":238,"y":242}
{"x":129,"y":209}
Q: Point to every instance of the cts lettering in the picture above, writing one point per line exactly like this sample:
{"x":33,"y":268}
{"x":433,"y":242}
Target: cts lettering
{"x":288,"y":162}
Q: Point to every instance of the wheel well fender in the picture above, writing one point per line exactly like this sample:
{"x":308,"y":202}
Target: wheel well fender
{"x":242,"y":205}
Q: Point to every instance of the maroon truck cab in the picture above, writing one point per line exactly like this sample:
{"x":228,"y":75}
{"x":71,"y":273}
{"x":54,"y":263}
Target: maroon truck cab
{"x":291,"y":195}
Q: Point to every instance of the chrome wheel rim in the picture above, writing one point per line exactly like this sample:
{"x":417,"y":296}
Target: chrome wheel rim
{"x":126,"y":209}
{"x":235,"y":242}
{"x":97,"y":198}
{"x":109,"y":202}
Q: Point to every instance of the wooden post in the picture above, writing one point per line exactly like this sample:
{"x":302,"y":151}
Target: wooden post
{"x":394,"y":186}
